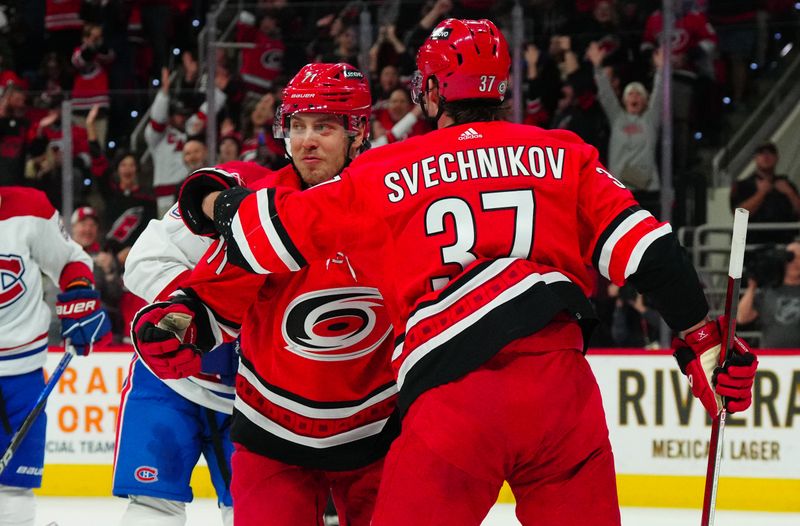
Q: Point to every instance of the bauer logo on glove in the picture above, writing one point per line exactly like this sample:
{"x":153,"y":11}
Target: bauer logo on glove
{"x":83,"y":321}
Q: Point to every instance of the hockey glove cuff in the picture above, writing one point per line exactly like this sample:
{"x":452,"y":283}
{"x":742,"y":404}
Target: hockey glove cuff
{"x":170,"y":337}
{"x":194,"y":189}
{"x":698,"y":357}
{"x":84,"y":322}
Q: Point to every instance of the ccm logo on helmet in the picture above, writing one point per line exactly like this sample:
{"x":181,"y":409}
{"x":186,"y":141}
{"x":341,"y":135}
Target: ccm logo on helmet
{"x":76,"y":307}
{"x":146,"y":474}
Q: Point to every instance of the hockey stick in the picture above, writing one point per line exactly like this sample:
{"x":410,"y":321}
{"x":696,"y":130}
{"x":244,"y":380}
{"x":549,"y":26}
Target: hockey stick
{"x":731,"y":306}
{"x":20,"y":435}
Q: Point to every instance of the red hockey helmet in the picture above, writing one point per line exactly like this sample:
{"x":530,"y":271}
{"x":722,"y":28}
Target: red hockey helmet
{"x":468,"y":58}
{"x":339,"y":89}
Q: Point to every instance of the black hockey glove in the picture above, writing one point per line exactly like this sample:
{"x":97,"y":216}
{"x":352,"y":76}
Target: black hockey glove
{"x":194,"y":189}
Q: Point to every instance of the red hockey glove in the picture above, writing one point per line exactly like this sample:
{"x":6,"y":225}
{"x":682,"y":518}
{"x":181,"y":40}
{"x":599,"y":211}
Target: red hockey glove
{"x":194,"y":189}
{"x":169,"y":336}
{"x":698,"y":356}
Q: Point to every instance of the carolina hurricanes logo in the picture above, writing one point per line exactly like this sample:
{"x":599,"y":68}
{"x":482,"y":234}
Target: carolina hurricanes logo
{"x":11,"y":285}
{"x":680,"y":40}
{"x":125,"y":224}
{"x":336,"y":325}
{"x":272,"y":59}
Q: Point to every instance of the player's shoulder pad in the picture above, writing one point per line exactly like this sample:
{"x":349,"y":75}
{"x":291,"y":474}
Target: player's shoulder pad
{"x":248,"y":172}
{"x":18,"y":201}
{"x":565,"y":136}
{"x":286,"y":176}
{"x":382,"y":153}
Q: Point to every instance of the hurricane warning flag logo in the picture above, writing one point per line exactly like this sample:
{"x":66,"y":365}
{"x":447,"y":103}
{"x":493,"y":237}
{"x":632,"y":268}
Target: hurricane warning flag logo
{"x":12,"y":268}
{"x":336,"y":324}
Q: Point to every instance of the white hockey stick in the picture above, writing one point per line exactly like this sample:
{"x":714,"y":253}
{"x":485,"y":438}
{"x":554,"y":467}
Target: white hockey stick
{"x":731,"y":306}
{"x":22,"y":432}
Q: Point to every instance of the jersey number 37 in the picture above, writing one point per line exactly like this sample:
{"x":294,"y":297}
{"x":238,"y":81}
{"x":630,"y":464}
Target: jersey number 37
{"x":461,"y":252}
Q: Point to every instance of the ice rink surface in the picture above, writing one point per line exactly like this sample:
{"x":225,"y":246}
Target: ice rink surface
{"x":75,"y":511}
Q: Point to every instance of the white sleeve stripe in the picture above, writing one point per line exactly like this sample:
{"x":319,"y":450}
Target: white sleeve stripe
{"x":642,"y":246}
{"x":272,"y":233}
{"x":216,"y":331}
{"x":608,"y":247}
{"x":241,"y":241}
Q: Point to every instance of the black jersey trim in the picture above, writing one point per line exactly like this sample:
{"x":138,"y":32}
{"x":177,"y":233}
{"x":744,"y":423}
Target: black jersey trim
{"x":609,"y":231}
{"x":189,"y":291}
{"x":522,"y":316}
{"x":225,"y":208}
{"x":291,"y":248}
{"x":344,"y":457}
{"x":667,"y":278}
{"x":315,"y":404}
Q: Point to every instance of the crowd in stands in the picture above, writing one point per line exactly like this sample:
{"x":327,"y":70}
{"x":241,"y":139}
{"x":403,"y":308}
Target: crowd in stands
{"x":589,"y":66}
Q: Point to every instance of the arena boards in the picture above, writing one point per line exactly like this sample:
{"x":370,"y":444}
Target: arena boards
{"x":659,"y":432}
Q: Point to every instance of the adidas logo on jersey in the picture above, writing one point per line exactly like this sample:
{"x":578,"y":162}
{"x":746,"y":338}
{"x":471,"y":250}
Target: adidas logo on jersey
{"x":470,"y":133}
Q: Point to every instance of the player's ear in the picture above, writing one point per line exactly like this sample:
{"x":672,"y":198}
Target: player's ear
{"x":358,"y":140}
{"x":432,"y":98}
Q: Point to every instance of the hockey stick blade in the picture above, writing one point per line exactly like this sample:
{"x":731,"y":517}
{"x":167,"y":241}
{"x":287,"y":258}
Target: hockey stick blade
{"x":731,"y":307}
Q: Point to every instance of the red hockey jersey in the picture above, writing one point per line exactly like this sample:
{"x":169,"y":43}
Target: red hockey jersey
{"x":262,"y":63}
{"x":480,"y":234}
{"x":691,"y":30}
{"x":314,"y":387}
{"x":62,"y":14}
{"x":91,"y":83}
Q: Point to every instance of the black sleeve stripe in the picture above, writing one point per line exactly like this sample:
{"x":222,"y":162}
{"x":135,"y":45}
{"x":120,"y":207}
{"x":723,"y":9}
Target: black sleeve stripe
{"x":221,"y":319}
{"x":609,"y":230}
{"x":225,"y":208}
{"x":668,"y":280}
{"x":291,"y":248}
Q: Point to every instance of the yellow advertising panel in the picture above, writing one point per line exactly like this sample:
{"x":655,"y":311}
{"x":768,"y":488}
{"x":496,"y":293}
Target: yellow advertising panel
{"x":658,"y":430}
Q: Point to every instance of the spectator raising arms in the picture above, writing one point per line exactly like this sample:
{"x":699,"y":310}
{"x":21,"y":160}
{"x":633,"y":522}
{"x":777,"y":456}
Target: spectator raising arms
{"x":634,"y":124}
{"x":167,"y":133}
{"x":399,"y":119}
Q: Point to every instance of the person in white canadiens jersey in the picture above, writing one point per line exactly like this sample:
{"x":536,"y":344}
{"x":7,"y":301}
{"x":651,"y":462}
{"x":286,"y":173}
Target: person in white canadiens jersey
{"x":33,"y":241}
{"x":164,"y":426}
{"x":483,"y":246}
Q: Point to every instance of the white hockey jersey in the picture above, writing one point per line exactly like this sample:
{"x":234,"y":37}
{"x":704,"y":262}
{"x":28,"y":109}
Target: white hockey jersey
{"x":32,"y":241}
{"x":161,"y":258}
{"x":166,"y":146}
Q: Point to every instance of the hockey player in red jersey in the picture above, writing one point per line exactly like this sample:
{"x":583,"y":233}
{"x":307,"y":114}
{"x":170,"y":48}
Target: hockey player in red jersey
{"x":315,"y":408}
{"x":482,"y":233}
